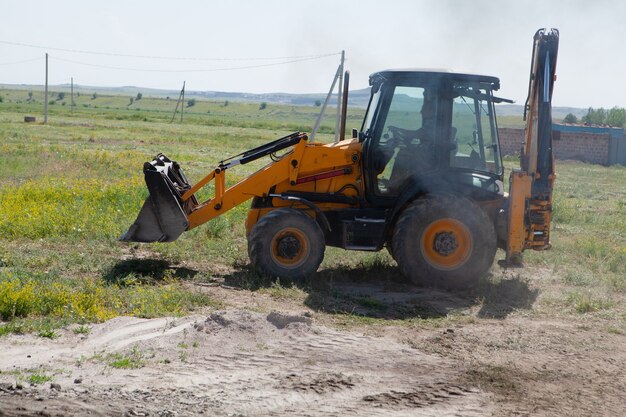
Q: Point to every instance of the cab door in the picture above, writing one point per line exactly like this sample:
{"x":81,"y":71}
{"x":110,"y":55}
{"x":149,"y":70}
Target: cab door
{"x":401,"y":134}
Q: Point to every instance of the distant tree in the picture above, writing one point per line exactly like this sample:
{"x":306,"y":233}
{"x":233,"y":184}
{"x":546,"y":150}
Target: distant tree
{"x":60,"y":96}
{"x":131,"y":100}
{"x":263,"y":106}
{"x":139,"y":96}
{"x":78,"y":94}
{"x":51,"y":102}
{"x":167,"y":98}
{"x":570,"y":118}
{"x":318,"y":103}
{"x":225,"y":103}
{"x":1,"y":99}
{"x":191,"y":102}
{"x":30,"y":96}
{"x":594,"y":116}
{"x":616,"y":117}
{"x":94,"y":96}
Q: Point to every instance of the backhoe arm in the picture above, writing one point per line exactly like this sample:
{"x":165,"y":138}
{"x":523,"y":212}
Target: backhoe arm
{"x":531,"y":186}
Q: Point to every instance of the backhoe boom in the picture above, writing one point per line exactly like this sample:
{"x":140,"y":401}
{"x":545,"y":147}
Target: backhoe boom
{"x":531,"y":186}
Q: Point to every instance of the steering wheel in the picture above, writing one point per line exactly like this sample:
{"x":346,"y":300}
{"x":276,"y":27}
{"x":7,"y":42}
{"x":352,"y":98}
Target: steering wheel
{"x":401,"y":138}
{"x":411,"y":138}
{"x":398,"y":133}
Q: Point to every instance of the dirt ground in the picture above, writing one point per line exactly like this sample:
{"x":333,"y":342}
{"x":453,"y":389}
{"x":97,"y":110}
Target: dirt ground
{"x":352,"y":347}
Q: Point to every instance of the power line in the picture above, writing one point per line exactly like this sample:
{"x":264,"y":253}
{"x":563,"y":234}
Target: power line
{"x":20,"y":62}
{"x":315,"y":57}
{"x":81,"y":51}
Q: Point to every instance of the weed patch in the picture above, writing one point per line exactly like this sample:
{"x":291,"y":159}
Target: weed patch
{"x":51,"y":208}
{"x":28,"y":300}
{"x":82,"y":329}
{"x":38,"y":379}
{"x":281,"y":292}
{"x":131,"y":360}
{"x":585,"y":303}
{"x":48,"y":333}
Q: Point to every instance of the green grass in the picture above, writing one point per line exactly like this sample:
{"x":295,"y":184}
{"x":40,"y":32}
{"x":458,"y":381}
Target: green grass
{"x":589,"y":226}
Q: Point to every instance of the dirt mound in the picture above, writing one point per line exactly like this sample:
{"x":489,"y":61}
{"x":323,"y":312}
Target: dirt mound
{"x":233,"y":362}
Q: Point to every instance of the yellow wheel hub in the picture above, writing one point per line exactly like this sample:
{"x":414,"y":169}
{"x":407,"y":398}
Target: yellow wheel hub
{"x":290,"y":247}
{"x":446,"y":244}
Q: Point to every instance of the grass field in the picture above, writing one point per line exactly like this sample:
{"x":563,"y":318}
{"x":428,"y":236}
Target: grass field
{"x":70,"y":188}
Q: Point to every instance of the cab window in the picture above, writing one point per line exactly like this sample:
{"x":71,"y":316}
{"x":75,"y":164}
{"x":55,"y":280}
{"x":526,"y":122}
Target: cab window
{"x":473,"y":132}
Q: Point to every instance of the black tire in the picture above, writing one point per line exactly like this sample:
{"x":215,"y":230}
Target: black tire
{"x":286,"y":243}
{"x":444,"y":241}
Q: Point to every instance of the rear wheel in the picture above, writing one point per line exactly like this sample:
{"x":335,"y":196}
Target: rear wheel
{"x":444,"y":241}
{"x":286,"y":243}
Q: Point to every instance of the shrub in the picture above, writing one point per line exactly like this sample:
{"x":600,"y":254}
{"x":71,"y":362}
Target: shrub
{"x":570,"y":118}
{"x":262,"y":106}
{"x":191,"y":102}
{"x":616,"y":117}
{"x":139,"y":96}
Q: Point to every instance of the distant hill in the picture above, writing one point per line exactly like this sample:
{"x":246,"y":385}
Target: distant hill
{"x":557,"y":112}
{"x":356,"y":98}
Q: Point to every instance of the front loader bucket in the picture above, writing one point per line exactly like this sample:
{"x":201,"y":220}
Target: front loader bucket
{"x":162,"y":217}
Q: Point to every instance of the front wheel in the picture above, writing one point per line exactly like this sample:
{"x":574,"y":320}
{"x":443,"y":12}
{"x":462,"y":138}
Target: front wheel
{"x":286,"y":243}
{"x":444,"y":241}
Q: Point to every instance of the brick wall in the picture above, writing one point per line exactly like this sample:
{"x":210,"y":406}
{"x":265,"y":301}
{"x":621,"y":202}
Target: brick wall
{"x":580,"y":146}
{"x":510,"y":140}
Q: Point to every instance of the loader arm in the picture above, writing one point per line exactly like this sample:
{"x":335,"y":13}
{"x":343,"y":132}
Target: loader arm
{"x":173,"y":207}
{"x":257,"y":184}
{"x":531,"y":186}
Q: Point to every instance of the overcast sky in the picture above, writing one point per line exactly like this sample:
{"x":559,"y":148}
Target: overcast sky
{"x":488,"y":37}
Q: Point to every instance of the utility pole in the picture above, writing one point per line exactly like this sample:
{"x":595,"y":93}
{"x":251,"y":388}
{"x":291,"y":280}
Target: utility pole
{"x":328,"y":96}
{"x":182,"y":103}
{"x":180,"y":96}
{"x":45,"y":103}
{"x":72,"y":94}
{"x":339,"y":98}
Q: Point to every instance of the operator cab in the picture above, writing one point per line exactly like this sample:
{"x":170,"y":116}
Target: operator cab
{"x":423,"y":127}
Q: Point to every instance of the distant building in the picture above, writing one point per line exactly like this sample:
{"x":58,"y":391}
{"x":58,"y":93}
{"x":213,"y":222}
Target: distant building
{"x":593,"y":144}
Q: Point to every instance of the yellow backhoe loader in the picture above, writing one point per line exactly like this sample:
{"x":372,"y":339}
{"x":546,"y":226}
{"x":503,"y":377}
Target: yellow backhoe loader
{"x":423,"y":177}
